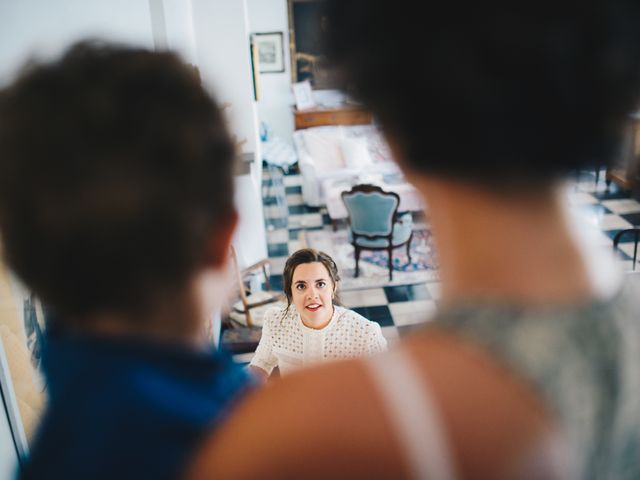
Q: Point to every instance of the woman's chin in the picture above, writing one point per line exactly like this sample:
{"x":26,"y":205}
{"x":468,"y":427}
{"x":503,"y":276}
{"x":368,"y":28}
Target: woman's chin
{"x":318,"y":317}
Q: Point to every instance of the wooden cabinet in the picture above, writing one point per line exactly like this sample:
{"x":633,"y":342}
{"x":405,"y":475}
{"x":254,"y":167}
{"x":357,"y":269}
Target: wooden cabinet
{"x":332,"y":116}
{"x":626,"y":172}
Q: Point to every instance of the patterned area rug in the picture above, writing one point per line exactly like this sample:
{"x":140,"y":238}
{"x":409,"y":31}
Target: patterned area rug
{"x":373,"y":264}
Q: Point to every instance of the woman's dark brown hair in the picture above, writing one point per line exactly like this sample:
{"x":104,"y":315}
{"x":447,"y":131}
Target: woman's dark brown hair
{"x":547,"y":87}
{"x":308,"y":255}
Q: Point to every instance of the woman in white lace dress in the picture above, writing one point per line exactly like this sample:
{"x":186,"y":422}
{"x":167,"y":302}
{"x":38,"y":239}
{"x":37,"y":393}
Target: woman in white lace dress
{"x":312,"y":328}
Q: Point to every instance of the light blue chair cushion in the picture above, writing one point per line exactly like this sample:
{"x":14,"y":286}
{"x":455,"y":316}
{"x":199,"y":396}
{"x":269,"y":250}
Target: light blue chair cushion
{"x":401,"y":233}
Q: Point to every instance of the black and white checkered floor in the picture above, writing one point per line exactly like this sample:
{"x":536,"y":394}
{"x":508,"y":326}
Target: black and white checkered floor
{"x":598,"y":212}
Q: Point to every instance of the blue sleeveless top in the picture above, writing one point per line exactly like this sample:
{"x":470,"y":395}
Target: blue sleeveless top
{"x":584,"y":360}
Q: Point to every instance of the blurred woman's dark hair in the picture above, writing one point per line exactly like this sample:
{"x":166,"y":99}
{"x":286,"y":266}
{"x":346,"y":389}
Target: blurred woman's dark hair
{"x":507,"y":95}
{"x":115,"y":170}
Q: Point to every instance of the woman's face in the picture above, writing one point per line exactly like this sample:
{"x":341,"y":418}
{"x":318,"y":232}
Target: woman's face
{"x":312,"y":293}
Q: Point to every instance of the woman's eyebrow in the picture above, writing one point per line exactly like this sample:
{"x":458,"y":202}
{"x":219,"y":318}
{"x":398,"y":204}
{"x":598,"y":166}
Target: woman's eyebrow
{"x":299,"y":281}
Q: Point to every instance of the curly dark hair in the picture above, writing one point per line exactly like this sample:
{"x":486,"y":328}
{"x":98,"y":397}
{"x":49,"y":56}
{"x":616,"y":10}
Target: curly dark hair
{"x":115,"y":169}
{"x":308,"y":255}
{"x":498,"y":94}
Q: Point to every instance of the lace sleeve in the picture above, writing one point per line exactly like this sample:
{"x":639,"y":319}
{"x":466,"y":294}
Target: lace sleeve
{"x":264,"y":357}
{"x":377,"y":342}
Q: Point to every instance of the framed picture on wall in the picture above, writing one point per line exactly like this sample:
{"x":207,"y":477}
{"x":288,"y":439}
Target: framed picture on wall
{"x":270,"y":51}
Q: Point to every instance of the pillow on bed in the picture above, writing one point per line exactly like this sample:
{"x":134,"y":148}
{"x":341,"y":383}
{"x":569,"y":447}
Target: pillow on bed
{"x":355,"y":153}
{"x":324,"y":149}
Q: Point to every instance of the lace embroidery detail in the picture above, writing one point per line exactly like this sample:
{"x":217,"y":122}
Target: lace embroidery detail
{"x":348,"y":335}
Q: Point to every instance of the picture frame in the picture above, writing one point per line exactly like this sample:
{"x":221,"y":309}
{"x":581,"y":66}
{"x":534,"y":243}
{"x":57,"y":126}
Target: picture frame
{"x":270,"y":51}
{"x":255,"y":74}
{"x":303,"y":95}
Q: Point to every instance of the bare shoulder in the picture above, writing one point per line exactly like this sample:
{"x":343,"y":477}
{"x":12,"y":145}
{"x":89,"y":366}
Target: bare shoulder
{"x":323,"y":421}
{"x":496,"y":423}
{"x":330,"y":420}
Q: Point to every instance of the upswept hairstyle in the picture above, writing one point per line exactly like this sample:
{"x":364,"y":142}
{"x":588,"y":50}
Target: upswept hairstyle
{"x":494,"y":93}
{"x":115,"y":169}
{"x":308,"y":255}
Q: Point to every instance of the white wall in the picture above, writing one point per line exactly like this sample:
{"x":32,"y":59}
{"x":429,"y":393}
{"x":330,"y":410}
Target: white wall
{"x":214,"y":35}
{"x":44,"y":28}
{"x":222,"y":37}
{"x":172,"y":22}
{"x":223,"y":47}
{"x":276,"y":100}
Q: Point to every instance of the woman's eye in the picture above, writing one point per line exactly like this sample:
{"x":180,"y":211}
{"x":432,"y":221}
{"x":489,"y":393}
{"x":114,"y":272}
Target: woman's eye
{"x":300,"y":286}
{"x":321,"y":284}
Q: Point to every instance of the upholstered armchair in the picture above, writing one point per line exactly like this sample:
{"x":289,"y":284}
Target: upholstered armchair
{"x":636,"y":237}
{"x":374,"y":224}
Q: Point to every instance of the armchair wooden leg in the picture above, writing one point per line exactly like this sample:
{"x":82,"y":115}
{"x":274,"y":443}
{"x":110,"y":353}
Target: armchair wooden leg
{"x":636,"y":238}
{"x":409,"y":248}
{"x":357,"y":260}
{"x":390,"y":263}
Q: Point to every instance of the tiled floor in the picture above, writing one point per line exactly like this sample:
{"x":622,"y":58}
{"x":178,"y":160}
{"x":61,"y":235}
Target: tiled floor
{"x":598,"y":212}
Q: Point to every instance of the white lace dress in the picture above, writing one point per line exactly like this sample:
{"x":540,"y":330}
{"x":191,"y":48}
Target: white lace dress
{"x":289,"y":344}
